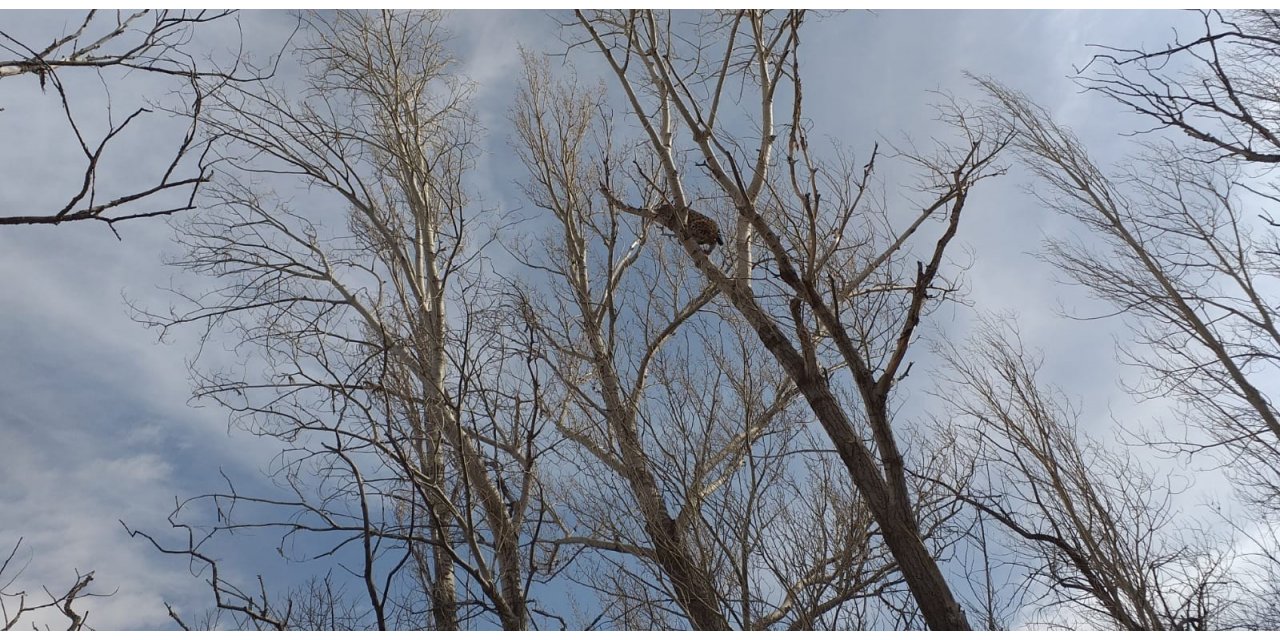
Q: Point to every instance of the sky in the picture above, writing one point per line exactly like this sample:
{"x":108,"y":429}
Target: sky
{"x":95,"y":420}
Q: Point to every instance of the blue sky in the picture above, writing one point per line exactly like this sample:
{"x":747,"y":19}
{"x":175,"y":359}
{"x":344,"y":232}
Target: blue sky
{"x":95,"y":424}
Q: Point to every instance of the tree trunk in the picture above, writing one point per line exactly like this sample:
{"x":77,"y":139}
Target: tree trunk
{"x":892,"y":512}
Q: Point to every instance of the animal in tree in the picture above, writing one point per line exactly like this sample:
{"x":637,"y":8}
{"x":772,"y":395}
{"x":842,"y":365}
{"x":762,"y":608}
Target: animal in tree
{"x":697,"y":227}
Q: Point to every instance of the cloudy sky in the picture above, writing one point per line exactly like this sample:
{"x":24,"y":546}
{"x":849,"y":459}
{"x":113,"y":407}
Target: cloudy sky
{"x":95,"y":424}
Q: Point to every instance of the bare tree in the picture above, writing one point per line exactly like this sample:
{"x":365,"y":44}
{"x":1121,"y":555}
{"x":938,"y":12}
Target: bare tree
{"x":696,"y":496}
{"x":1189,"y":252}
{"x":833,"y":297}
{"x":1219,"y":90}
{"x":1096,"y":530}
{"x":1182,"y":259}
{"x":397,"y":384}
{"x":111,"y":45}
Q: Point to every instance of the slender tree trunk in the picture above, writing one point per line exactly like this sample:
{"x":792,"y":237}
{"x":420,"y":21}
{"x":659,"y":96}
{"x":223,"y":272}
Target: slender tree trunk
{"x":694,"y":590}
{"x":444,"y":589}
